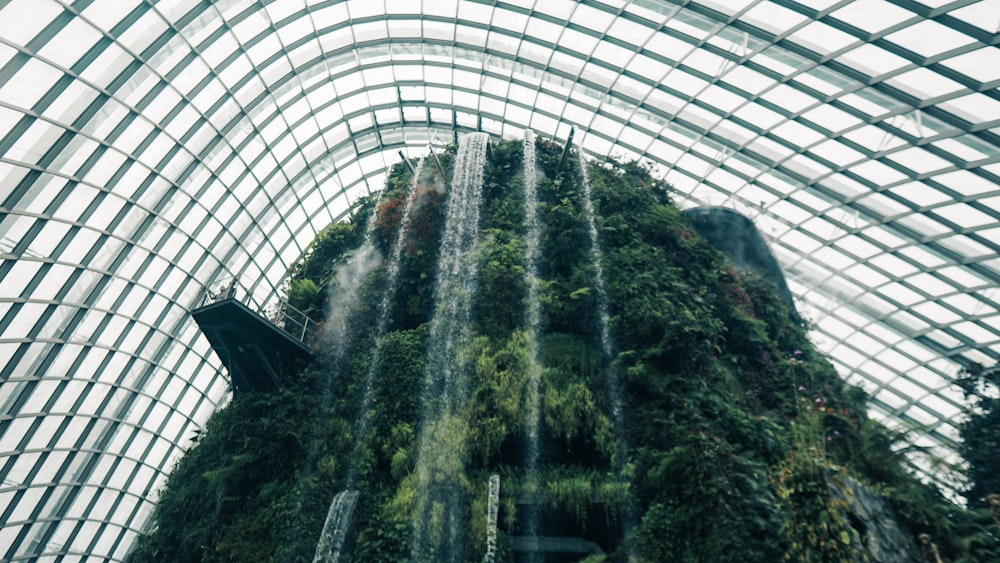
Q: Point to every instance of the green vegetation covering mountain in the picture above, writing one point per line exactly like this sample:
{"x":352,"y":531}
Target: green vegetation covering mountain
{"x":732,"y":437}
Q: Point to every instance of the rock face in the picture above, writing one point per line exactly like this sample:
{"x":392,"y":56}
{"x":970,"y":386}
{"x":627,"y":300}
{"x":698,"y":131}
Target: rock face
{"x":885,"y":538}
{"x":736,"y":236}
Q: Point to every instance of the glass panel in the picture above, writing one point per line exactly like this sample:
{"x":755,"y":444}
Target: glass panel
{"x":748,"y":80}
{"x":919,"y":160}
{"x":928,"y":38}
{"x":22,"y":20}
{"x":924,"y":84}
{"x":873,"y":61}
{"x":920,"y":194}
{"x":965,"y":216}
{"x":822,"y":38}
{"x":982,"y":14}
{"x":831,"y":119}
{"x":771,"y":17}
{"x":872,"y":15}
{"x":73,"y":40}
{"x":975,"y":108}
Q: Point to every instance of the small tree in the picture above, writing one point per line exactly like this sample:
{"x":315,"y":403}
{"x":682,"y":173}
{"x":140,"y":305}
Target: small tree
{"x":981,"y":432}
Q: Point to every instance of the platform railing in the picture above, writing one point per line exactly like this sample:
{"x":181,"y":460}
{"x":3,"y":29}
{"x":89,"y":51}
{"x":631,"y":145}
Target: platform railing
{"x":295,"y":323}
{"x":275,"y":309}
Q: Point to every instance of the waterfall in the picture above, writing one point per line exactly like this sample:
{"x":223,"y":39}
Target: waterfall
{"x":532,"y":244}
{"x":329,"y":546}
{"x":335,"y":528}
{"x":395,"y":261}
{"x":532,"y":250}
{"x":607,"y":347}
{"x":344,"y":299}
{"x":349,"y":277}
{"x":382,"y":321}
{"x":615,"y":388}
{"x":440,"y":455}
{"x":457,"y":274}
{"x":492,"y":509}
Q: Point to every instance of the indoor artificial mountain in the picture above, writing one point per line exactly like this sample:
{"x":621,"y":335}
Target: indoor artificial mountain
{"x":529,"y":357}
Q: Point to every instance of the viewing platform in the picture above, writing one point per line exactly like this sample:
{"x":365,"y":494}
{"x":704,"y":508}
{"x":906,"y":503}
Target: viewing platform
{"x":258,"y":345}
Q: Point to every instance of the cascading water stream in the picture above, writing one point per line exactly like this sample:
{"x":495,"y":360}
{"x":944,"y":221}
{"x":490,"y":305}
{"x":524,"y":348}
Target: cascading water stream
{"x":533,"y":411}
{"x":382,"y":322}
{"x":607,"y":346}
{"x":437,"y":522}
{"x":532,"y":245}
{"x":492,"y":510}
{"x":615,"y":388}
{"x":343,"y":302}
{"x":338,"y":517}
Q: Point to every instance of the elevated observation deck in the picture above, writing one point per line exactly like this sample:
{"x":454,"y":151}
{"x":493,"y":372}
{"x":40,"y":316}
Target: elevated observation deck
{"x":260,"y":346}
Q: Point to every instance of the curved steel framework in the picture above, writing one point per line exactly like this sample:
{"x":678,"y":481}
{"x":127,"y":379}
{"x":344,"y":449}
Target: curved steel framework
{"x":150,"y":148}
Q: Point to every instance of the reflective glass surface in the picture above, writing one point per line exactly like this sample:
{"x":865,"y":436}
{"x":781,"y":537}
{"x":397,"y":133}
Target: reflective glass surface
{"x":150,"y":148}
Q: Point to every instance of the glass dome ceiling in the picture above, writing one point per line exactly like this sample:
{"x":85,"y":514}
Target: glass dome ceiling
{"x":149,"y":148}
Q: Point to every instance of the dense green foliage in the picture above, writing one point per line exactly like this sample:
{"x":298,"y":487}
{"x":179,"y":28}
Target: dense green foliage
{"x":732,"y":425}
{"x":980,"y":447}
{"x":981,"y":432}
{"x":310,"y":276}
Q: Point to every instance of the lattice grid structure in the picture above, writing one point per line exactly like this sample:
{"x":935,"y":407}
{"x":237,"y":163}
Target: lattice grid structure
{"x":150,"y":148}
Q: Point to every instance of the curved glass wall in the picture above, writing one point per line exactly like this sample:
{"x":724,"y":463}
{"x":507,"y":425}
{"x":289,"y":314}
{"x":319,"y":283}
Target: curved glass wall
{"x":150,"y":148}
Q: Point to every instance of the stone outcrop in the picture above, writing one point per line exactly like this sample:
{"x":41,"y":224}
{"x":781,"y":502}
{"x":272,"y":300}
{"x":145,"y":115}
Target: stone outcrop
{"x":885,"y":538}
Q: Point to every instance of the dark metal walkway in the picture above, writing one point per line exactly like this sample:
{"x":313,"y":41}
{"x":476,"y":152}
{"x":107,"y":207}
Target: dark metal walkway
{"x":257,"y":350}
